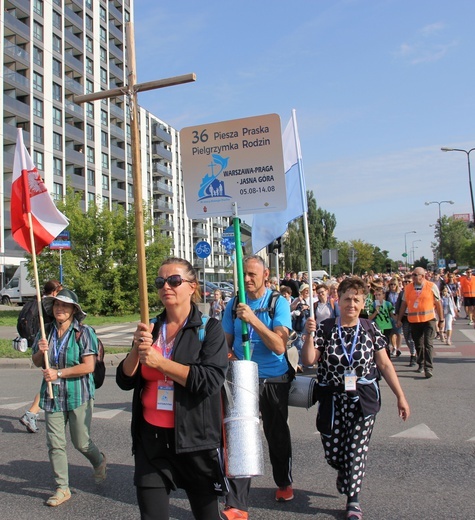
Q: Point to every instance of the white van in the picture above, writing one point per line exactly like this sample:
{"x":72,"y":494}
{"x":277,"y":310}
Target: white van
{"x":320,"y":274}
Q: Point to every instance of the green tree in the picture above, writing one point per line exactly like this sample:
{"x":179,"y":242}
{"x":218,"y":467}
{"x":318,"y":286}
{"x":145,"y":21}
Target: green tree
{"x":321,"y":225}
{"x":458,"y":241}
{"x":101,"y":266}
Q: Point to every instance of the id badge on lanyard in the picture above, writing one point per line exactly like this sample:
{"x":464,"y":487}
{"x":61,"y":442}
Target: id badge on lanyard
{"x":350,"y":380}
{"x":165,"y":396}
{"x":350,"y":376}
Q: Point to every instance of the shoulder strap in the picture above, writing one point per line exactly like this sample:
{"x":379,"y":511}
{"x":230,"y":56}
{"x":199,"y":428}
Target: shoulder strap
{"x":327,"y":327}
{"x":272,"y":303}
{"x":365,"y":323}
{"x":202,"y":328}
{"x":270,"y":308}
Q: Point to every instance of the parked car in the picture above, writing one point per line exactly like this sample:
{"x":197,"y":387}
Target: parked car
{"x":211,"y":287}
{"x":226,"y":286}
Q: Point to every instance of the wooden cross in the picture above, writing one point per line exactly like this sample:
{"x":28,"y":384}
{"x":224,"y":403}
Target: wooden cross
{"x":131,"y":90}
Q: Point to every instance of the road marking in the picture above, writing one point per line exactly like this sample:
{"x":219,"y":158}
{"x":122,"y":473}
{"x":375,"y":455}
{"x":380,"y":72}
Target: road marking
{"x":448,"y":354}
{"x":421,"y":431}
{"x":14,"y":406}
{"x":469,"y":333}
{"x":471,"y":440}
{"x":107,"y":414}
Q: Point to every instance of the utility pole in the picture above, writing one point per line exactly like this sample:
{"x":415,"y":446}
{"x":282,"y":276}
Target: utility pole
{"x":130,"y":90}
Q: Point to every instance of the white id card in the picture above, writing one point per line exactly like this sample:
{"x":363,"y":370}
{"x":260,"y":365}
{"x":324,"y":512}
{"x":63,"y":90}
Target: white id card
{"x":165,"y":398}
{"x":350,"y":380}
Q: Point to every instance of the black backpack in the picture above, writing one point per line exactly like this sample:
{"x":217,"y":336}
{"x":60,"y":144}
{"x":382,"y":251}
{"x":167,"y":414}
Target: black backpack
{"x":28,"y":323}
{"x":298,"y":322}
{"x":99,"y":373}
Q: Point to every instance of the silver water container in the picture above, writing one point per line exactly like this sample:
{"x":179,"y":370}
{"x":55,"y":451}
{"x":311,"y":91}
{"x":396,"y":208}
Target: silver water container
{"x":243,"y":443}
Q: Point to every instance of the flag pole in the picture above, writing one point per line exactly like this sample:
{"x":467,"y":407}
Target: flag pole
{"x":33,"y":253}
{"x":303,"y":193}
{"x":240,"y":277}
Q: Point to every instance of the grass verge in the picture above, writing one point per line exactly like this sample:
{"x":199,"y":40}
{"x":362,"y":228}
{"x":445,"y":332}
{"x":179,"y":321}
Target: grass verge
{"x":7,"y":351}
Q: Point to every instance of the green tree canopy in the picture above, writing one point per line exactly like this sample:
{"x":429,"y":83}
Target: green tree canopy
{"x":101,"y":266}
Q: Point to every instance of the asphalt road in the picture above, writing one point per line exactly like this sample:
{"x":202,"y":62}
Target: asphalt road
{"x":422,"y":469}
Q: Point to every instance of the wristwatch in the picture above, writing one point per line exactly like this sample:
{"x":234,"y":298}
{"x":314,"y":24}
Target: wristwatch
{"x":59,"y":373}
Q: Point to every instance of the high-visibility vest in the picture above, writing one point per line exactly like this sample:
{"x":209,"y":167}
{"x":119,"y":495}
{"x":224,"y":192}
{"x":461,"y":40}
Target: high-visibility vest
{"x":468,"y":287}
{"x":420,"y":304}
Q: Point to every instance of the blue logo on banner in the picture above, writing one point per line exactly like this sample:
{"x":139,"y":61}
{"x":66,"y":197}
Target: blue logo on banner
{"x":211,"y":187}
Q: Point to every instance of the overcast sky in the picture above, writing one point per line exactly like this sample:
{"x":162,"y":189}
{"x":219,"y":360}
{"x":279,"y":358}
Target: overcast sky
{"x":379,"y":86}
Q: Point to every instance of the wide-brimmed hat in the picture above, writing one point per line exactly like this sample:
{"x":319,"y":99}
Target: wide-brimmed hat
{"x":66,"y":296}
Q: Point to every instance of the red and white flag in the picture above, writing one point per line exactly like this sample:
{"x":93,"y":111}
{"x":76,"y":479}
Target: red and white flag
{"x":29,"y":195}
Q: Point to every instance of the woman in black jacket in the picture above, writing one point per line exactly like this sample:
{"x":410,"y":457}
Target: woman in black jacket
{"x":177,"y":367}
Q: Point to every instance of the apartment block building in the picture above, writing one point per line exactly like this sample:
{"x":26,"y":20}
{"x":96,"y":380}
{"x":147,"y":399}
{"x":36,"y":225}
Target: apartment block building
{"x":51,"y":51}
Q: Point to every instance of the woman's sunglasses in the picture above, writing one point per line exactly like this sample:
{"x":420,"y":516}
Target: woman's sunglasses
{"x":175,"y":280}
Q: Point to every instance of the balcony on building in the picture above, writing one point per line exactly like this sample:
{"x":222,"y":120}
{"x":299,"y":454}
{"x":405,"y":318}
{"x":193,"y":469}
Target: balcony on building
{"x":161,"y":151}
{"x":15,"y":79}
{"x":199,"y":231}
{"x":115,"y":31}
{"x":73,"y":62}
{"x":116,"y":50}
{"x":16,"y":52}
{"x":73,"y":36}
{"x":164,"y":224}
{"x":162,"y":187}
{"x":158,"y":132}
{"x":117,"y":132}
{"x":15,"y":107}
{"x":117,"y":111}
{"x":73,"y":86}
{"x":163,"y":206}
{"x":73,"y":16}
{"x":14,"y":25}
{"x":162,"y":170}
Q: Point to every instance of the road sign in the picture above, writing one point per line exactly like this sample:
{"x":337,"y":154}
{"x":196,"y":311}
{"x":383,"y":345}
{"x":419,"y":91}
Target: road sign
{"x":441,"y":263}
{"x":203,"y":249}
{"x":62,"y":241}
{"x":233,"y":161}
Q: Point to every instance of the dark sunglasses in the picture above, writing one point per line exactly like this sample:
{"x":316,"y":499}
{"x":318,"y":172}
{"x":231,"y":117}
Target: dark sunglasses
{"x":175,"y":280}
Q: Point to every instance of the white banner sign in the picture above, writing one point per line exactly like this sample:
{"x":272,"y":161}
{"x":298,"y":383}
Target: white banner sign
{"x":233,"y":161}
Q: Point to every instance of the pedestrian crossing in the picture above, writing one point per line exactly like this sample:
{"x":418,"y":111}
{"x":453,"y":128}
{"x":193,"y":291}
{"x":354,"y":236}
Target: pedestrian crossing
{"x":119,"y":335}
{"x":421,"y":431}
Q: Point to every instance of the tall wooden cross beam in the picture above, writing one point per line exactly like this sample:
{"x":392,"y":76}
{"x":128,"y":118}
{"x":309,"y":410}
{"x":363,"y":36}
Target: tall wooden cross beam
{"x":130,"y":90}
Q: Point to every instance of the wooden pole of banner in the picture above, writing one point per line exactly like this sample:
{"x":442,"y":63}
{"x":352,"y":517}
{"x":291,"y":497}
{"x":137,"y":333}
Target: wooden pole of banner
{"x":35,"y":265}
{"x":38,"y":298}
{"x":131,"y":92}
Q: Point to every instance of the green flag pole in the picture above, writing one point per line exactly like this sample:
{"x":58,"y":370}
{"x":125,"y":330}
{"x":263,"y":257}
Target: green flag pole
{"x":240,"y":277}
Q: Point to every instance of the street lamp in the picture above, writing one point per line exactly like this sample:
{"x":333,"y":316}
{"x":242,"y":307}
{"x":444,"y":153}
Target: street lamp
{"x":405,"y":243}
{"x":467,"y":152}
{"x":440,"y":220}
{"x":413,"y":248}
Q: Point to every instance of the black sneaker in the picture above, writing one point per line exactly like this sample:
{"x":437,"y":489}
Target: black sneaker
{"x":420,"y":369}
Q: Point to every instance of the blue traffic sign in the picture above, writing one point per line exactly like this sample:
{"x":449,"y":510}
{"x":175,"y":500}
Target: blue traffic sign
{"x":203,"y":249}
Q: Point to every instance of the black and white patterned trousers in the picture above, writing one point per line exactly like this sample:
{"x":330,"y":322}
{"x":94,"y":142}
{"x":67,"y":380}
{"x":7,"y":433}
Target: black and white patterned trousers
{"x":346,"y":448}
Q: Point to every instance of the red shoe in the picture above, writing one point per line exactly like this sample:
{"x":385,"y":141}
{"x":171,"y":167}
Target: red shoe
{"x":283,"y":494}
{"x":231,"y":513}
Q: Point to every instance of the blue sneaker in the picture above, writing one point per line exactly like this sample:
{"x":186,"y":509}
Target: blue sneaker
{"x":29,"y":421}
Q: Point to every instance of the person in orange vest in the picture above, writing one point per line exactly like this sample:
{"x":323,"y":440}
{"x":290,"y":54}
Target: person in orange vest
{"x":467,"y":285}
{"x":422,"y":300}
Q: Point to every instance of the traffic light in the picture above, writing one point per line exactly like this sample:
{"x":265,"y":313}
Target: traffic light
{"x":275,"y":247}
